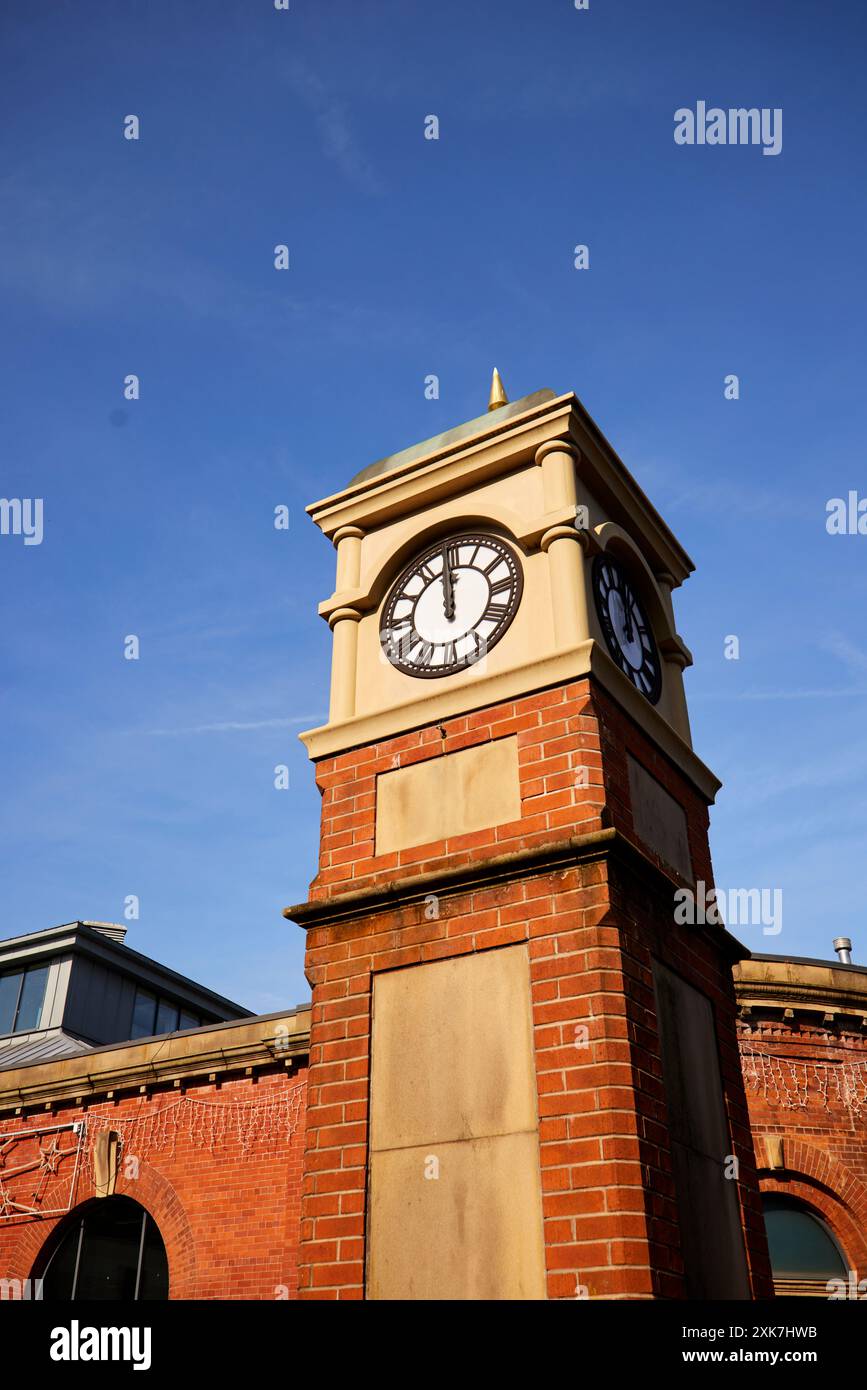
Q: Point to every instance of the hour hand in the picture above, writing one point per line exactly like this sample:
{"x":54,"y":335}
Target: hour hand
{"x":627,"y":618}
{"x":448,"y":588}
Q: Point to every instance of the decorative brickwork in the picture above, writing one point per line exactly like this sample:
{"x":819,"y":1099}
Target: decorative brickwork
{"x":223,"y":1185}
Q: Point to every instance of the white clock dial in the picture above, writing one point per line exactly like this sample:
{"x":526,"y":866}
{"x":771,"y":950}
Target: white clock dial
{"x":451,"y":605}
{"x":626,"y":626}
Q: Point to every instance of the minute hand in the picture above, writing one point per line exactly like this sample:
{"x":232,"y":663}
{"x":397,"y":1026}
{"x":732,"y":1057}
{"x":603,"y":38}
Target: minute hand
{"x":448,"y":588}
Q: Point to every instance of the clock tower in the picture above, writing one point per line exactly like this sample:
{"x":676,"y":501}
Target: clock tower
{"x":524,"y":1079}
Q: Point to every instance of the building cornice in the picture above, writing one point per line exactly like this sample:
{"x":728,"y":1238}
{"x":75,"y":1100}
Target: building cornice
{"x":455,"y":461}
{"x":179,"y":1058}
{"x":413,"y":889}
{"x":779,"y":987}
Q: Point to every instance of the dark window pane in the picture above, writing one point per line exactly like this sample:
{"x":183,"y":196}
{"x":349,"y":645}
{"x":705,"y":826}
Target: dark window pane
{"x":112,"y":1258}
{"x":9,"y":987}
{"x":800,"y":1247}
{"x":58,"y":1277}
{"x":189,"y":1020}
{"x":32,"y":996}
{"x":143,"y":1014}
{"x":109,"y":1253}
{"x":154,"y":1278}
{"x":167,"y":1017}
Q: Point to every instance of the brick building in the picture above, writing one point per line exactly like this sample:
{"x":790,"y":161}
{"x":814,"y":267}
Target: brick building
{"x":149,"y":1166}
{"x":220,"y":1174}
{"x":803,"y":1037}
{"x":520,"y":1074}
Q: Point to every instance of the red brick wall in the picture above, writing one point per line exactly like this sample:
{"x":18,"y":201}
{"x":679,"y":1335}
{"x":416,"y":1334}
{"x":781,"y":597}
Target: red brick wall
{"x":825,"y":1139}
{"x":608,"y":1199}
{"x":229,"y":1218}
{"x":559,"y":732}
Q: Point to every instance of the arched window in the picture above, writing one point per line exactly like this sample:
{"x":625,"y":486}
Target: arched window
{"x":804,"y":1254}
{"x":108,"y":1249}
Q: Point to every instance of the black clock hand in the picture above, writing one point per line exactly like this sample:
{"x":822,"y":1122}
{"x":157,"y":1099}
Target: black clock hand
{"x":448,"y":587}
{"x":628,"y":620}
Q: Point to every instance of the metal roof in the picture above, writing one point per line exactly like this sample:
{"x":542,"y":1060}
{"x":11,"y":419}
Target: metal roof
{"x":834,"y":964}
{"x":48,"y":1048}
{"x":478,"y":425}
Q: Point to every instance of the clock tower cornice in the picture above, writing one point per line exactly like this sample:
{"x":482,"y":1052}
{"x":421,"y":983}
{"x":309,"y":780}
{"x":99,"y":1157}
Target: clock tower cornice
{"x":450,"y":464}
{"x":534,"y":479}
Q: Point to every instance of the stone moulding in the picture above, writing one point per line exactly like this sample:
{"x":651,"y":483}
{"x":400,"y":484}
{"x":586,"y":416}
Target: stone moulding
{"x":159,"y":1062}
{"x":589,"y":848}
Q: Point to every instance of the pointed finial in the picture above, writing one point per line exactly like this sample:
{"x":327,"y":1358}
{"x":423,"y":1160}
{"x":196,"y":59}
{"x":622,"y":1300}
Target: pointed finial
{"x":498,"y":392}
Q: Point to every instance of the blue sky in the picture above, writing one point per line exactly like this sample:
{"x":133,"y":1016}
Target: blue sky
{"x":259,"y":387}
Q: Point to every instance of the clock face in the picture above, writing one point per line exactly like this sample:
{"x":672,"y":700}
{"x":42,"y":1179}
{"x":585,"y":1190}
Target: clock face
{"x":451,"y":605}
{"x":626,"y":626}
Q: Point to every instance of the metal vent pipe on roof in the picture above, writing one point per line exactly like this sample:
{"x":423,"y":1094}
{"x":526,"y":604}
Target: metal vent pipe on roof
{"x":843,"y":947}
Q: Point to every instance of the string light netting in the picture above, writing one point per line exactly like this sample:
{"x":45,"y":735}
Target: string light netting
{"x":797,"y":1084}
{"x":263,"y":1124}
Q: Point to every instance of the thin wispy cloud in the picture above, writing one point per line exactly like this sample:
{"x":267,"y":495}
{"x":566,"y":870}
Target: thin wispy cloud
{"x":726,"y":497}
{"x":839,"y":769}
{"x":336,"y":134}
{"x":738,"y":695}
{"x":231,"y":726}
{"x":848,"y":652}
{"x":106,"y":280}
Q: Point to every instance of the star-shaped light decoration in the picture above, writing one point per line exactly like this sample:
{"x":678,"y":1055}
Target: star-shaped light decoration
{"x":51,"y":1156}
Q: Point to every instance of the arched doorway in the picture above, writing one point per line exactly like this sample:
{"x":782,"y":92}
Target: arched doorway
{"x":804,"y":1253}
{"x":110,"y":1250}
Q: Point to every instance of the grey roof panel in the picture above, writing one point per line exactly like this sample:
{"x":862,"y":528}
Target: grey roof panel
{"x":46,"y":1049}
